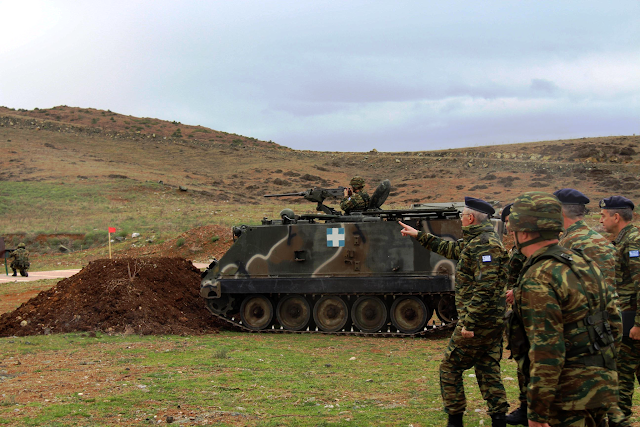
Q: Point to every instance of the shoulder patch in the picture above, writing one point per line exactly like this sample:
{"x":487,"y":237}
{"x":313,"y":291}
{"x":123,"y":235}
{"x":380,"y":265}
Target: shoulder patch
{"x":634,"y":254}
{"x":486,"y":258}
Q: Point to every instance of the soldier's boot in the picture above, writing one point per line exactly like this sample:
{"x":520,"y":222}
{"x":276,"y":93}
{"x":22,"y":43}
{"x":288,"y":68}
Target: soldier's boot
{"x":24,"y":273}
{"x":519,"y":416}
{"x":15,"y":272}
{"x":499,"y":420}
{"x":455,"y":420}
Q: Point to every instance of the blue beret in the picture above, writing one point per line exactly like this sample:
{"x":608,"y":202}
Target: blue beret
{"x":479,"y":205}
{"x":616,"y":202}
{"x":569,"y":196}
{"x":505,"y":212}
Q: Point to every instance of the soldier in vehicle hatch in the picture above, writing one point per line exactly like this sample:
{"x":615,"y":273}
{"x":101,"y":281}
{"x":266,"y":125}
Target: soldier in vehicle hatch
{"x":355,"y":198}
{"x":480,"y":301}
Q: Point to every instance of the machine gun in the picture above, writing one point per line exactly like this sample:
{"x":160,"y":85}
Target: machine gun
{"x":317,"y":195}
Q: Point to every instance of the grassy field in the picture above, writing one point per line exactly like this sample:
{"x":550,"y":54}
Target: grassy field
{"x":228,"y":378}
{"x":232,"y":379}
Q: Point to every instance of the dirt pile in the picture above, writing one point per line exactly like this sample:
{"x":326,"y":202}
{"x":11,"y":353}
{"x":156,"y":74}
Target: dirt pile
{"x":135,"y":295}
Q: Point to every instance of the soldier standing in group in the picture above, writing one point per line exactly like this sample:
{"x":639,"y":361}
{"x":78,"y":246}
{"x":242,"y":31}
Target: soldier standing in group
{"x":355,"y":198}
{"x":516,"y":262}
{"x":480,"y":302}
{"x":20,"y":260}
{"x":616,"y":215}
{"x":569,"y":321}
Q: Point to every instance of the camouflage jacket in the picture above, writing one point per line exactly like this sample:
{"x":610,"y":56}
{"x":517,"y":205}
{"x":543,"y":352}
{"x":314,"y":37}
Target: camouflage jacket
{"x":20,"y":257}
{"x":516,"y":262}
{"x":597,"y":248}
{"x":552,"y":301}
{"x":356,"y":202}
{"x":628,"y":269}
{"x":480,"y":275}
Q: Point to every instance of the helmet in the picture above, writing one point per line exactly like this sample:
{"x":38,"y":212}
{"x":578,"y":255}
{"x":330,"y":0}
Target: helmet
{"x":22,"y":245}
{"x":537,"y":211}
{"x":288,"y":213}
{"x":356,"y":182}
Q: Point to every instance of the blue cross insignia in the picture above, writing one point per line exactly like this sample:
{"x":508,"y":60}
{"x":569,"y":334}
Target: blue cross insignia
{"x":335,"y":237}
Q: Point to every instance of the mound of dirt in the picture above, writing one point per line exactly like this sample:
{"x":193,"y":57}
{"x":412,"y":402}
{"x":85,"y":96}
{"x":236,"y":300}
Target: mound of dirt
{"x":135,"y":295}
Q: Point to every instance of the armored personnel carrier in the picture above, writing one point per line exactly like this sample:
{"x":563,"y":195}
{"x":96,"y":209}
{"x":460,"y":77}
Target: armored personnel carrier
{"x":333,"y":273}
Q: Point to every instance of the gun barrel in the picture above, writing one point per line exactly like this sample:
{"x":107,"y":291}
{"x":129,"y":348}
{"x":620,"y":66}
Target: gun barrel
{"x":285,"y":194}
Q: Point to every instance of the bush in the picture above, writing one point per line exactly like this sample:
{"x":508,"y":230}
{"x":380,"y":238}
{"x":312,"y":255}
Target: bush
{"x":180,"y":242}
{"x":215,"y":239}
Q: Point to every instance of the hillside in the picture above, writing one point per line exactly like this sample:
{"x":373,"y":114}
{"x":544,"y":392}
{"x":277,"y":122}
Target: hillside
{"x":234,"y":168}
{"x":74,"y":170}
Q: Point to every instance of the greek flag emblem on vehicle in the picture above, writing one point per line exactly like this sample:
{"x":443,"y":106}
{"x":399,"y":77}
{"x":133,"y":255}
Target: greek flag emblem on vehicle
{"x":335,"y":237}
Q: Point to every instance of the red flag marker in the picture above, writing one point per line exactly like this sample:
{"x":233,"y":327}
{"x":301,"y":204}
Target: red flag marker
{"x":112,"y":229}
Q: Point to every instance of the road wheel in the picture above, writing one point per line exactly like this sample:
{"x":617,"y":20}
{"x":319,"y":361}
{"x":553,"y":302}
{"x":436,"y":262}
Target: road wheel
{"x":446,"y":309}
{"x":409,"y":314}
{"x":256,"y":312}
{"x":369,"y":313}
{"x":330,"y":313}
{"x":293,"y":312}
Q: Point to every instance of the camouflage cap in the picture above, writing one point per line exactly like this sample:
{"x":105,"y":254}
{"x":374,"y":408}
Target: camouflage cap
{"x":22,"y":245}
{"x":357,"y":182}
{"x":536,"y":211}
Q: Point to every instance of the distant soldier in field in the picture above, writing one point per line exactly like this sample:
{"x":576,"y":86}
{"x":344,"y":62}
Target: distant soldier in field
{"x":480,"y":302}
{"x":20,"y":260}
{"x":355,"y":198}
{"x":569,"y":321}
{"x":616,"y":215}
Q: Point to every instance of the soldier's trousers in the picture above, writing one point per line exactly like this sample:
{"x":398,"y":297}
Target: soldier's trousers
{"x":483,"y":354}
{"x":628,"y":364}
{"x":583,"y":418}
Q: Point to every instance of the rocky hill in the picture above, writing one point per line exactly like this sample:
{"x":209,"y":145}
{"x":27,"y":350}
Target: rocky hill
{"x":86,"y":144}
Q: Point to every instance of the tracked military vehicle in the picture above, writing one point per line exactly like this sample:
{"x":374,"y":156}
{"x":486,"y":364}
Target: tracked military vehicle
{"x":333,"y":273}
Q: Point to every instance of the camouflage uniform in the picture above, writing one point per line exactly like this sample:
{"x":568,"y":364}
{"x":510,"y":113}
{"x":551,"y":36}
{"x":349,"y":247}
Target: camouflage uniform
{"x":570,"y":321}
{"x":551,"y":294}
{"x":479,"y":290}
{"x":627,"y":244}
{"x":356,"y":202}
{"x":594,"y":246}
{"x":516,"y":262}
{"x":20,"y":260}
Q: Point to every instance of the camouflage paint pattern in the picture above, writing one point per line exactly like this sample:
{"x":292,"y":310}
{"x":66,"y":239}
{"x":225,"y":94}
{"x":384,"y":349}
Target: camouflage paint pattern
{"x":271,"y":251}
{"x":550,"y":296}
{"x":356,"y":202}
{"x":480,"y":301}
{"x":20,"y":259}
{"x":628,"y":287}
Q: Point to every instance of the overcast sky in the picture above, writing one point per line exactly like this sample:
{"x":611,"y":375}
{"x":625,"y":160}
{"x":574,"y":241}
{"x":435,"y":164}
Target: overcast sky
{"x":336,"y":75}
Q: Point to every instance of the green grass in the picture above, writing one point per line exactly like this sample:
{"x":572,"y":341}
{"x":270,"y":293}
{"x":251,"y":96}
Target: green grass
{"x":130,"y":206}
{"x":235,"y":378}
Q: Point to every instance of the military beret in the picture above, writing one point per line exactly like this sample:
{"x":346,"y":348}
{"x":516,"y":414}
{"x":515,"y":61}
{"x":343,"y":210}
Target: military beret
{"x":505,"y":212}
{"x":569,"y":196}
{"x":616,"y":202}
{"x":479,"y":205}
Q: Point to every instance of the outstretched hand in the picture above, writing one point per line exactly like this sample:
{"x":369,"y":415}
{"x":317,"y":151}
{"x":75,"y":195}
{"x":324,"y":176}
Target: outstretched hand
{"x":407,"y":230}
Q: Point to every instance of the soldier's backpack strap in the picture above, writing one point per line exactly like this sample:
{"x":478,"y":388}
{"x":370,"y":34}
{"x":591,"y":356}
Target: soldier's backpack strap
{"x":596,"y":322}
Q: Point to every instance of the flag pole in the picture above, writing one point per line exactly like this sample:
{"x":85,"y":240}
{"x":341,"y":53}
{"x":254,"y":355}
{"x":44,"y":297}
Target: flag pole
{"x":109,"y":244}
